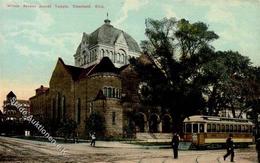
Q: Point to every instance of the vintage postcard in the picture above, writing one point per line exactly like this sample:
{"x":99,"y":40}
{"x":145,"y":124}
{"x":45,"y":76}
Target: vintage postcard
{"x":134,"y":81}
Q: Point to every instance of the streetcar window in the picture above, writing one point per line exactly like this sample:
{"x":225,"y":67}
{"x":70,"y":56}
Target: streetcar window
{"x":188,"y":127}
{"x":227,"y":128}
{"x":235,"y":128}
{"x":231,"y":128}
{"x":209,"y":128}
{"x":218,"y":127}
{"x":246,"y":128}
{"x":195,"y":128}
{"x":242,"y":128}
{"x":213,"y":127}
{"x":201,"y":127}
{"x":222,"y":128}
{"x":239,"y":128}
{"x":250,"y":129}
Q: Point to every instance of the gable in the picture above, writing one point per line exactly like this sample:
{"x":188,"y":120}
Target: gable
{"x":59,"y":74}
{"x":121,"y":39}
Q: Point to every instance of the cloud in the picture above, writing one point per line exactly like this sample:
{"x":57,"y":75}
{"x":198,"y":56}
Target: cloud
{"x":169,"y":12}
{"x":39,"y":40}
{"x":23,"y":50}
{"x":236,"y":31}
{"x":130,"y":5}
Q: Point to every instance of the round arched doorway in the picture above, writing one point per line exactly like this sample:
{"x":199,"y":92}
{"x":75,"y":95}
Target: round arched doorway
{"x":166,"y":123}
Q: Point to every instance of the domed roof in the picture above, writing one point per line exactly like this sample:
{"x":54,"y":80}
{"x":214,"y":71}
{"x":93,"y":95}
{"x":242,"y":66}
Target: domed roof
{"x":107,"y":34}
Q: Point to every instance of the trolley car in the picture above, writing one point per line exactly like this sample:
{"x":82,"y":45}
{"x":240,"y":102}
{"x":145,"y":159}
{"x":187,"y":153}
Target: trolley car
{"x":211,"y":131}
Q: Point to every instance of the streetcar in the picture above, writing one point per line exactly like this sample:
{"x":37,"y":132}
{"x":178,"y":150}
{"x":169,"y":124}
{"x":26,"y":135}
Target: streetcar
{"x":211,"y":131}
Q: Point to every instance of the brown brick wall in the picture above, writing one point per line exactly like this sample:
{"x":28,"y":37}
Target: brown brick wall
{"x":85,"y":89}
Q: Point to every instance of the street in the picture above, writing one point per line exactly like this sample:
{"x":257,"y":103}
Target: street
{"x":20,"y":150}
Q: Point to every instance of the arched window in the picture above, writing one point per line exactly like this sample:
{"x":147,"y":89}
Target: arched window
{"x":111,"y":56}
{"x":113,"y":93}
{"x":53,"y":108}
{"x":117,"y":93}
{"x":109,"y":92}
{"x":126,"y":60}
{"x":119,"y":57}
{"x":63,"y":107}
{"x":94,"y":55}
{"x":58,"y":105}
{"x":107,"y":53}
{"x":113,"y":118}
{"x":116,"y":57}
{"x":78,"y":107}
{"x":90,"y":57}
{"x":122,"y":58}
{"x":102,"y":53}
{"x":85,"y":59}
{"x":105,"y":91}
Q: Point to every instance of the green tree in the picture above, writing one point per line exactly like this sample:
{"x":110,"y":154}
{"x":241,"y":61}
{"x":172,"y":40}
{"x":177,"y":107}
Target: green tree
{"x":96,"y":123}
{"x":227,"y":75}
{"x":67,"y":128}
{"x":172,"y":78}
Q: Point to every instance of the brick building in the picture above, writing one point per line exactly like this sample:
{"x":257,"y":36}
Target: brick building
{"x":11,"y":112}
{"x":11,"y":120}
{"x":102,"y":81}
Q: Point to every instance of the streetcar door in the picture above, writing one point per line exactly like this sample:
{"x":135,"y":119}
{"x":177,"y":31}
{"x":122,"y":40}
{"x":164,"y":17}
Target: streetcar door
{"x":195,"y":131}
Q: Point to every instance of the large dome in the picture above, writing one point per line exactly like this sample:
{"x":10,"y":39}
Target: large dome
{"x":106,"y":41}
{"x":107,"y":34}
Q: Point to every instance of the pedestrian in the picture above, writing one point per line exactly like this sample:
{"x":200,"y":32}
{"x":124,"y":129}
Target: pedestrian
{"x":93,"y":139}
{"x":175,"y":144}
{"x":230,"y":148}
{"x":258,"y":148}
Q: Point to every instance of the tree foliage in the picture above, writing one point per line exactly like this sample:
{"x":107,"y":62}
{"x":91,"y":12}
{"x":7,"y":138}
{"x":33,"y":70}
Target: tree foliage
{"x":188,"y":76}
{"x":95,"y":123}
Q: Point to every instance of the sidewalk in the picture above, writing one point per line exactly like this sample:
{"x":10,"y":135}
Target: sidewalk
{"x":185,"y":159}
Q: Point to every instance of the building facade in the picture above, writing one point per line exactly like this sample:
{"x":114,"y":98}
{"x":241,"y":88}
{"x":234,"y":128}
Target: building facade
{"x":10,"y":112}
{"x":102,"y":81}
{"x":11,"y":120}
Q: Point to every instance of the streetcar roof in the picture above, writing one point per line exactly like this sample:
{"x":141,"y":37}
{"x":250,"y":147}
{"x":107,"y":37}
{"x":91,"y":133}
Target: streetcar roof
{"x":205,"y":119}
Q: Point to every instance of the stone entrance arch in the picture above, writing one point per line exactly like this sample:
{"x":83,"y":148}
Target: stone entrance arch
{"x":166,"y":123}
{"x":154,"y":123}
{"x":140,"y":122}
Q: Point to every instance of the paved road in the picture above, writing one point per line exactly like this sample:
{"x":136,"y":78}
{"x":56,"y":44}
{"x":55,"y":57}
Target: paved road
{"x":19,"y":150}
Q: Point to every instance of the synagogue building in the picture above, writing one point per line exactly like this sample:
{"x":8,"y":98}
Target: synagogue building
{"x":101,"y":81}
